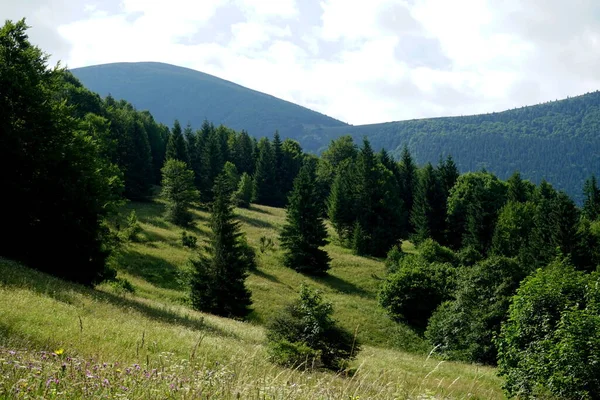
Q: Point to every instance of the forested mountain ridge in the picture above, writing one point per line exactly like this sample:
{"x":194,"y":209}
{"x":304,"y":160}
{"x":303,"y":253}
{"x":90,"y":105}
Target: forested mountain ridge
{"x":557,"y":141}
{"x":171,"y":92}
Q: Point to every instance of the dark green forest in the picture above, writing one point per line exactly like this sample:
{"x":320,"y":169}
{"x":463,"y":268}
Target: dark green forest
{"x":505,"y":272}
{"x":556,"y":141}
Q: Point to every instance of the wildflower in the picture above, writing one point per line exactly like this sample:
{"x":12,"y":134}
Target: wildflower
{"x":59,"y":352}
{"x":105,"y":382}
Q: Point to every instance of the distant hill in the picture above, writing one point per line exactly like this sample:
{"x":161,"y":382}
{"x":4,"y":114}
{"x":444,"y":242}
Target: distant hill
{"x":558,"y":141}
{"x":170,"y":92}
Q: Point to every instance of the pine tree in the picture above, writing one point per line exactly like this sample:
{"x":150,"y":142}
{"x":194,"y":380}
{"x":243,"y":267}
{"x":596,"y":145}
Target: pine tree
{"x":591,"y":203}
{"x":218,"y":285}
{"x":243,"y":195}
{"x":138,"y":171}
{"x":517,"y":189}
{"x":341,"y":204}
{"x":179,"y":191}
{"x":242,"y":153}
{"x":429,"y":208}
{"x":409,"y":179}
{"x":213,"y":162}
{"x":448,"y":174}
{"x":305,"y":231}
{"x":264,"y":189}
{"x":231,"y":176}
{"x":278,"y":197}
{"x":292,"y":157}
{"x":176,"y":146}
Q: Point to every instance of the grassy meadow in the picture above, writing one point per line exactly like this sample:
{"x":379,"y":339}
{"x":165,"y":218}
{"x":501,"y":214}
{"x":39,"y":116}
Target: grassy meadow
{"x":60,"y":340}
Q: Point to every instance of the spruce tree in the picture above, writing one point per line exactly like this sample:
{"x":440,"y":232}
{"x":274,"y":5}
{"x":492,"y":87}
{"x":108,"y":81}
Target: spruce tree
{"x":243,"y":195}
{"x":179,"y":191}
{"x":213,"y":162}
{"x":591,"y":203}
{"x":242,"y":153}
{"x":409,"y":179}
{"x":278,"y":197}
{"x":218,"y":285}
{"x":138,"y":171}
{"x":305,"y":233}
{"x":176,"y":146}
{"x":429,"y":207}
{"x":264,"y":189}
{"x":341,"y":204}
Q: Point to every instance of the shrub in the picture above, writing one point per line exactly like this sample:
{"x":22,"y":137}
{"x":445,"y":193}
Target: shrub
{"x":189,"y":241}
{"x":122,"y":286}
{"x":393,"y":259}
{"x":266,"y":244}
{"x":432,"y":252}
{"x":469,"y":256}
{"x":414,"y":291}
{"x":463,"y":329}
{"x":305,"y":334}
{"x":550,"y":345}
{"x":133,"y":227}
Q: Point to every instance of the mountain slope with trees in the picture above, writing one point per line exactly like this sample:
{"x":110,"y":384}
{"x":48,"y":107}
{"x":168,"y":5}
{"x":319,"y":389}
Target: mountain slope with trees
{"x":171,"y":92}
{"x":557,"y":141}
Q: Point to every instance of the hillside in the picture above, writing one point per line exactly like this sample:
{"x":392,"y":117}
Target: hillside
{"x":153,"y":345}
{"x":557,"y":141}
{"x":171,"y":92}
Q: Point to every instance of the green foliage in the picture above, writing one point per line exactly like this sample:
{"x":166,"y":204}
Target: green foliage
{"x":305,"y":233}
{"x":304,"y":333}
{"x":408,"y":183}
{"x":464,"y":328}
{"x":264,"y":190}
{"x":360,"y":241}
{"x":176,"y":146}
{"x":550,"y":345}
{"x":473,"y":207}
{"x":122,"y":286}
{"x":178,"y":189}
{"x":591,"y":201}
{"x":132,"y":228}
{"x":243,"y":195}
{"x":218,"y":284}
{"x":514,"y":229}
{"x":428,"y":214}
{"x":231,"y":176}
{"x":416,"y":289}
{"x":341,"y":208}
{"x":266,"y":244}
{"x":393,"y":259}
{"x":433,"y":252}
{"x":58,"y":185}
{"x":189,"y":241}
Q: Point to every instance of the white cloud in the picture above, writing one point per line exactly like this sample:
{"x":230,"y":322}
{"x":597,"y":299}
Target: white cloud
{"x":354,"y":60}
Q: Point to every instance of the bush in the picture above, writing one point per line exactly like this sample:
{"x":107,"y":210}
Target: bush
{"x":266,"y":244}
{"x":133,"y":228}
{"x":550,"y":345}
{"x":393,"y":259}
{"x":416,"y":289}
{"x":464,"y":328}
{"x":189,"y":241}
{"x":432,"y":252}
{"x":469,"y":256}
{"x":122,"y":286}
{"x":305,"y":334}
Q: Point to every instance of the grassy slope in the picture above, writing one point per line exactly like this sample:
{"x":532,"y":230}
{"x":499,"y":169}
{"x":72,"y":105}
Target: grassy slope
{"x":155,"y":328}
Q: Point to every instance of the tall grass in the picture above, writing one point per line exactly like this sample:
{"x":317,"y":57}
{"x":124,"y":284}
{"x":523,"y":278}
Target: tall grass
{"x":181,"y":353}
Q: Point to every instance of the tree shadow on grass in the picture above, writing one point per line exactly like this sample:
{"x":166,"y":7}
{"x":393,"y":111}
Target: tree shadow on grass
{"x":254,"y":222}
{"x":28,"y":279}
{"x":155,"y":270}
{"x":258,"y":210}
{"x":265,"y":275}
{"x":341,"y":285}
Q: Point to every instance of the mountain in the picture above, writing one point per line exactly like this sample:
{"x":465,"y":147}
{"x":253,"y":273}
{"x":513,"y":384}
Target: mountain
{"x":558,"y":141}
{"x":171,"y":92}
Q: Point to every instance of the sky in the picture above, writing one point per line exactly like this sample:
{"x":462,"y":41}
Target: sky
{"x":360,"y":61}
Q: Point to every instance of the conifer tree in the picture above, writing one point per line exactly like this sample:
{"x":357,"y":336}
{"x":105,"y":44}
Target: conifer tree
{"x":213,"y":162}
{"x":176,"y":146}
{"x":517,"y":189}
{"x":292,"y":157}
{"x":138,"y":170}
{"x":278,"y":197}
{"x":218,"y":284}
{"x":243,"y":195}
{"x":409,"y":179}
{"x":179,"y":191}
{"x":591,"y":202}
{"x":231,"y":176}
{"x":243,"y":149}
{"x":448,"y":174}
{"x":341,"y":204}
{"x":305,"y":233}
{"x":264,"y":178}
{"x":429,"y":208}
